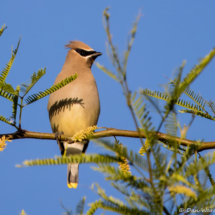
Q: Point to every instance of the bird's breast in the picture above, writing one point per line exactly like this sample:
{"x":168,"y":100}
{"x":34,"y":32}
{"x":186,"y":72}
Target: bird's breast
{"x":74,"y":107}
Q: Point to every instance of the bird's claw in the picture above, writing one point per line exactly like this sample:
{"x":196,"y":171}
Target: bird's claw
{"x":58,"y":135}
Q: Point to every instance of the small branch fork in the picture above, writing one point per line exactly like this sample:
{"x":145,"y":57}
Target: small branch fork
{"x":110,"y":132}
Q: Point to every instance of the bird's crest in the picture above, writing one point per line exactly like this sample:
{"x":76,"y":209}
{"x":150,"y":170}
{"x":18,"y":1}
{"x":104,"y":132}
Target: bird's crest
{"x":78,"y":45}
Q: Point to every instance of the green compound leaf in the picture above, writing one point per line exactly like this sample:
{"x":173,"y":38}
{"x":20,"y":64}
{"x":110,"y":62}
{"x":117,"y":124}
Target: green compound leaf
{"x":4,"y":73}
{"x":198,"y":113}
{"x":40,"y":95}
{"x":140,"y":111}
{"x":80,"y":206}
{"x":83,"y":158}
{"x":34,"y":79}
{"x":15,"y":104}
{"x":108,"y":72}
{"x":7,"y":88}
{"x":3,"y":119}
{"x":166,"y":97}
{"x":6,"y":95}
{"x":194,"y":96}
{"x":211,"y":105}
{"x":192,"y":75}
{"x":2,"y":29}
{"x":112,"y":204}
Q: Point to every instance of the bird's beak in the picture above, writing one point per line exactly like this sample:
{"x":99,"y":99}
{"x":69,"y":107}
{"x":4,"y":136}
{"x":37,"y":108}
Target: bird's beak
{"x":95,"y":55}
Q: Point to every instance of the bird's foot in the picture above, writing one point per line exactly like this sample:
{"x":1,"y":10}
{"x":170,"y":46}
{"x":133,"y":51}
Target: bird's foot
{"x":58,"y":136}
{"x":60,"y":144}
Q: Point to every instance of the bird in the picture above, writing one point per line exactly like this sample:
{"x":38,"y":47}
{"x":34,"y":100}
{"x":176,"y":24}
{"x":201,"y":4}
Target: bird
{"x":75,"y":106}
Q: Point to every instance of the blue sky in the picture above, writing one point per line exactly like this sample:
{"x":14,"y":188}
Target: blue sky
{"x":168,"y":33}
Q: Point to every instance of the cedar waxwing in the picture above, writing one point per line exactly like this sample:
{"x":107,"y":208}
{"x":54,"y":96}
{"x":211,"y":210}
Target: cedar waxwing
{"x":75,"y":106}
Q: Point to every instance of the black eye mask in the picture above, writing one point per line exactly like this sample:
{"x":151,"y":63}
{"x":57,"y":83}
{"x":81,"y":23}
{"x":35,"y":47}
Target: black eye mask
{"x":84,"y":53}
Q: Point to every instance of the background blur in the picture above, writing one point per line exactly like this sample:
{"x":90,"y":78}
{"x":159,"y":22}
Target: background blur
{"x":168,"y":33}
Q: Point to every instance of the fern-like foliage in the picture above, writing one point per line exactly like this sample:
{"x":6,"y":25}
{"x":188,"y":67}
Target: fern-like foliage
{"x":83,"y":158}
{"x":114,"y":205}
{"x":209,"y":175}
{"x":191,"y":94}
{"x":93,"y":207}
{"x":80,"y":207}
{"x":135,"y":201}
{"x":172,"y":97}
{"x":140,"y":110}
{"x":204,"y":196}
{"x":174,"y":93}
{"x":172,"y":175}
{"x":166,"y":97}
{"x":4,"y":73}
{"x":3,"y":119}
{"x":196,"y":71}
{"x":111,"y":74}
{"x":25,"y":88}
{"x":195,"y":97}
{"x":168,"y":175}
{"x":15,"y":104}
{"x":121,"y":187}
{"x":134,"y":158}
{"x":198,"y":113}
{"x":115,"y":174}
{"x":211,"y":105}
{"x":169,"y":147}
{"x":40,"y":95}
{"x":2,"y":29}
{"x":130,"y":43}
{"x":7,"y":88}
{"x":6,"y":95}
{"x":171,"y":125}
{"x":205,"y":161}
{"x":187,"y":155}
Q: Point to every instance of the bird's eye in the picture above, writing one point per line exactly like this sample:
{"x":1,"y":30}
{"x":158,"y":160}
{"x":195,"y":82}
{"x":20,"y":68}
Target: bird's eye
{"x":82,"y":53}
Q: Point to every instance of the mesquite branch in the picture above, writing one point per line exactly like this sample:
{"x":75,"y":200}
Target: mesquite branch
{"x":110,"y":132}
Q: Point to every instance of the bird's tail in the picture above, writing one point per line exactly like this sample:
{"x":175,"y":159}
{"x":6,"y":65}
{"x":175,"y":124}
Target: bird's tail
{"x":72,"y":175}
{"x":72,"y":169}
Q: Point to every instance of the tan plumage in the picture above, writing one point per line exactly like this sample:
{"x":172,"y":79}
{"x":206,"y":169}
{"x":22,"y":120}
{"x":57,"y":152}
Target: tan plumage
{"x":68,"y":114}
{"x":78,"y":44}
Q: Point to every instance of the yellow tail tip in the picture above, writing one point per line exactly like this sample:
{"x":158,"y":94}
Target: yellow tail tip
{"x":72,"y":185}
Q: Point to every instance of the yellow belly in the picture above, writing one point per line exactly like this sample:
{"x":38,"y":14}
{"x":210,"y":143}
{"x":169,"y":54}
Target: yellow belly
{"x":71,"y":120}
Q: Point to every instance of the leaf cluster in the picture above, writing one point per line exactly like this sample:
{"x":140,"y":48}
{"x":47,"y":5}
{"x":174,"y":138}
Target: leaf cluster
{"x":180,"y":87}
{"x":13,"y":95}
